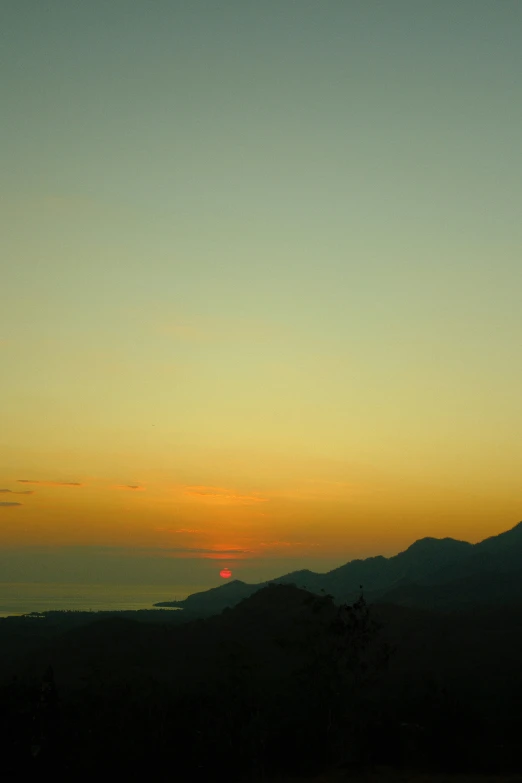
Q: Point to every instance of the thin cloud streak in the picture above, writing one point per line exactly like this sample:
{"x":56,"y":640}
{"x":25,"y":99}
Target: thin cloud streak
{"x":198,"y":329}
{"x":164,"y":529}
{"x":207,"y":552}
{"x":188,"y":530}
{"x":51,"y":483}
{"x":138,"y":551}
{"x":222,"y":495}
{"x":10,"y":504}
{"x":14,"y":492}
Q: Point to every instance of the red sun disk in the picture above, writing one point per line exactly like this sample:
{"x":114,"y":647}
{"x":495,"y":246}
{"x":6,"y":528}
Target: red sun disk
{"x":225,"y":573}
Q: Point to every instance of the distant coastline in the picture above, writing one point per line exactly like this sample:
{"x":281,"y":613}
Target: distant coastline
{"x":17,"y":598}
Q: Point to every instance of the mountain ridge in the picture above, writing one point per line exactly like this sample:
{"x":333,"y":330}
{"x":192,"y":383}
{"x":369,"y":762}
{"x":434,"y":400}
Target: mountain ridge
{"x":428,"y":564}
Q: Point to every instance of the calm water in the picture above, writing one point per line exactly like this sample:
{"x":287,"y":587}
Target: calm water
{"x":20,"y":598}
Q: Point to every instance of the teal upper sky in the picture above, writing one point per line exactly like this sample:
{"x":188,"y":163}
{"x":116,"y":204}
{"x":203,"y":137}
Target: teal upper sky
{"x":265,"y":148}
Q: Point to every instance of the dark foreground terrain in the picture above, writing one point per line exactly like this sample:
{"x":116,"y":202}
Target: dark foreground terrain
{"x":284,"y":686}
{"x":387,"y":775}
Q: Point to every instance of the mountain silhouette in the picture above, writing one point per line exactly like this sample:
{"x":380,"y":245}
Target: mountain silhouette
{"x":216,"y":599}
{"x":434,"y":573}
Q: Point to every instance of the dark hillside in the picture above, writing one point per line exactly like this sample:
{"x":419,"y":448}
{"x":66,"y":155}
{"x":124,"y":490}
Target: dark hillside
{"x":284,"y":682}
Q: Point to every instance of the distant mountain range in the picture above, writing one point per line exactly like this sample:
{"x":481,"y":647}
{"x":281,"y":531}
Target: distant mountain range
{"x":432,"y":573}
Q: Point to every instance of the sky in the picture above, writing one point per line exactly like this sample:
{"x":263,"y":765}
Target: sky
{"x":260,"y":283}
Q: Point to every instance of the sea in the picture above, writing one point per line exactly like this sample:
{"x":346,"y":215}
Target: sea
{"x":18,"y":598}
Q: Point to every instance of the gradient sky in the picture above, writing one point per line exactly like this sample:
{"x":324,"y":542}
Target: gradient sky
{"x":261,"y":278}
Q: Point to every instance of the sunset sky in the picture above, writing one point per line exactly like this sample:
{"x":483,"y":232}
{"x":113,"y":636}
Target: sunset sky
{"x":261,"y":283}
